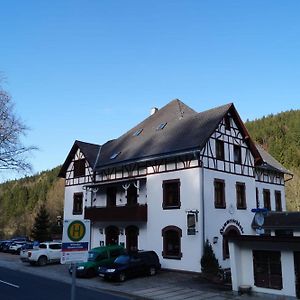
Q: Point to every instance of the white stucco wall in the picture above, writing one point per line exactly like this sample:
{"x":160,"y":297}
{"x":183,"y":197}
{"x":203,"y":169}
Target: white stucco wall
{"x":216,"y":218}
{"x":158,"y":218}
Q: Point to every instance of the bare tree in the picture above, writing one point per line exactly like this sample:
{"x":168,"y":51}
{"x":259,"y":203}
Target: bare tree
{"x":13,"y":154}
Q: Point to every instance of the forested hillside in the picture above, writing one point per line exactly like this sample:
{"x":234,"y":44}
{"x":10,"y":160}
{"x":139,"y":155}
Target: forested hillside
{"x":280,"y":136}
{"x":20,"y":200}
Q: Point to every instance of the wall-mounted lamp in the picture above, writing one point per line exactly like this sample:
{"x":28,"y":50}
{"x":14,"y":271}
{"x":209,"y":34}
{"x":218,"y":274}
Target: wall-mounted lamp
{"x":215,"y":239}
{"x":101,"y":230}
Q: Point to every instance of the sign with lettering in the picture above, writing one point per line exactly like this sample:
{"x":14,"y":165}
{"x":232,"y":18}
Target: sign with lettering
{"x":232,"y":221}
{"x":76,"y":239}
{"x":76,"y":231}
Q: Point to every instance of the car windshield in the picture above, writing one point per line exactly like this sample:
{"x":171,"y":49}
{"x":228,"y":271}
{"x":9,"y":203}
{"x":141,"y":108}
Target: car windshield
{"x":122,"y":259}
{"x":92,"y":256}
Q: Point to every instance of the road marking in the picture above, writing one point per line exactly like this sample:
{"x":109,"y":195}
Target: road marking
{"x":10,"y":284}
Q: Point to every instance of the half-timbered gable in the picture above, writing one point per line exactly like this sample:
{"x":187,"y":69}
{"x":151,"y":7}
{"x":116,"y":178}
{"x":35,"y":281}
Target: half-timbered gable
{"x":227,"y":150}
{"x":78,"y":171}
{"x":78,"y":167}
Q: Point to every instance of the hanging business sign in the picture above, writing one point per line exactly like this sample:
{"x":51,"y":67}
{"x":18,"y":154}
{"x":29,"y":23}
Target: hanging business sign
{"x":75,"y":242}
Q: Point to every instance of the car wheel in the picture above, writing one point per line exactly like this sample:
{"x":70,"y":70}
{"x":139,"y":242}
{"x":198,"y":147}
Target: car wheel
{"x":122,"y":277}
{"x":42,"y":261}
{"x":152,"y":271}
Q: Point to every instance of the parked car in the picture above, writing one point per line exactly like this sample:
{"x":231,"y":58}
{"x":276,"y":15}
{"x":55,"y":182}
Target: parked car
{"x":48,"y":252}
{"x":6,"y":245}
{"x":99,"y":256}
{"x":15,"y":247}
{"x":2,"y":245}
{"x":25,"y":248}
{"x":131,"y":265}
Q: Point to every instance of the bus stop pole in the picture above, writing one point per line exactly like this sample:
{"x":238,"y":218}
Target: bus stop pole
{"x":73,"y":289}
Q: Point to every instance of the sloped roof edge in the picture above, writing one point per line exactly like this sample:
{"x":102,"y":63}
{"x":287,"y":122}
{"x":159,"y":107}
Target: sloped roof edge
{"x":270,"y":162}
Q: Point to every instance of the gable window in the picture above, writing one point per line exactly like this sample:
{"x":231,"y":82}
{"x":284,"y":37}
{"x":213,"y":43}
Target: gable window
{"x":77,"y":203}
{"x":111,"y":196}
{"x":267,"y":199}
{"x":171,"y":194}
{"x":79,"y":168}
{"x":278,"y":202}
{"x":219,"y":186}
{"x":172,"y":242}
{"x":241,"y":195}
{"x":227,"y":122}
{"x":267,"y":269}
{"x":237,"y":154}
{"x":220,"y":149}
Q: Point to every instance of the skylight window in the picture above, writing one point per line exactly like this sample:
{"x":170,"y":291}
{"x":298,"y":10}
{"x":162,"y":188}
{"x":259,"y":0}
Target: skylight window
{"x":138,"y":132}
{"x":115,"y":155}
{"x":161,"y":126}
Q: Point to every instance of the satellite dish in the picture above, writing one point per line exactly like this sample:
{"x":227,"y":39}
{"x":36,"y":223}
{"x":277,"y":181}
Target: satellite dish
{"x":259,"y":219}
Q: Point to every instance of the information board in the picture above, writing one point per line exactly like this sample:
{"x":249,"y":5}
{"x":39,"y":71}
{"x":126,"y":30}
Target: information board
{"x":75,"y":241}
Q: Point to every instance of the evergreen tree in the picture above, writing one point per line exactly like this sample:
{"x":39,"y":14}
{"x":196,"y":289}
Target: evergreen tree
{"x":209,"y":262}
{"x":41,"y":227}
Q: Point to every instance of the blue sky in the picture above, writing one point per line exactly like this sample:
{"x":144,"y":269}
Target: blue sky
{"x":90,"y":70}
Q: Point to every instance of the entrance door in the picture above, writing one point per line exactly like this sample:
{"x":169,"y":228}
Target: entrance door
{"x":230,"y":231}
{"x":132,"y":195}
{"x":297,"y":272}
{"x":112,"y":235}
{"x":132,"y":233}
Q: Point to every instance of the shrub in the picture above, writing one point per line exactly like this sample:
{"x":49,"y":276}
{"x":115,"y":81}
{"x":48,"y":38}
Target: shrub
{"x":209,"y":262}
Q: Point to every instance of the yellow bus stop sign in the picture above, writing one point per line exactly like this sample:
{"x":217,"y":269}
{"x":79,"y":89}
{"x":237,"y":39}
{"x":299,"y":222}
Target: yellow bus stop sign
{"x":76,"y":231}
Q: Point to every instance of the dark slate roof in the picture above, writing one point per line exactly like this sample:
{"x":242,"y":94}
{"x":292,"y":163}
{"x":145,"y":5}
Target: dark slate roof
{"x":270,"y":163}
{"x":280,"y":220}
{"x":185,"y":130}
{"x":90,"y":152}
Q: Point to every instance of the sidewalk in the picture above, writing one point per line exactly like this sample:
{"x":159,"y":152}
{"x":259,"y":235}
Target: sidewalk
{"x":165,"y":285}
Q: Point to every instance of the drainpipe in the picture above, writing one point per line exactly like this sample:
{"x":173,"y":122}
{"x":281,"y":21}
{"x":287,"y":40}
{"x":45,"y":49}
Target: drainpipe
{"x":203,"y":206}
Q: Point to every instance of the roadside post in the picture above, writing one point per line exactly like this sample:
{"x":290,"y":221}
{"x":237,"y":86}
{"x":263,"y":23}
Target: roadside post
{"x":75,"y":246}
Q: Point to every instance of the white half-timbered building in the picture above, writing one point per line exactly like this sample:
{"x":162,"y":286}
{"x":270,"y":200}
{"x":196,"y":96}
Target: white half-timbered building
{"x":173,"y":181}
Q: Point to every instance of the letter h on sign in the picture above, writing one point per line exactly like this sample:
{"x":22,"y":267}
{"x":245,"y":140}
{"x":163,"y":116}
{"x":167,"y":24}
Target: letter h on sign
{"x":76,"y":230}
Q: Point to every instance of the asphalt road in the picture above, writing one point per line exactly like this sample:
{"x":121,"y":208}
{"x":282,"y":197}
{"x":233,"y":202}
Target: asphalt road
{"x":16,"y":285}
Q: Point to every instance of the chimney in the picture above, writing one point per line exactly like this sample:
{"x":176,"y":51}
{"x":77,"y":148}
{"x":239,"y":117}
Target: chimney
{"x":153,"y":110}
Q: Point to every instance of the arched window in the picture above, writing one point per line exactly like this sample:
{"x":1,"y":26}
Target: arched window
{"x":230,"y":231}
{"x":172,"y":242}
{"x":132,"y":233}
